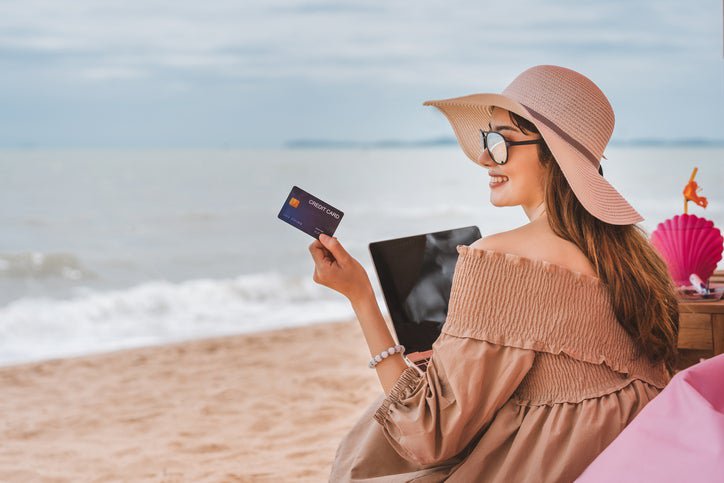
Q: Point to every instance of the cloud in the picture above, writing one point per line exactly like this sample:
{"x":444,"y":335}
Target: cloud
{"x":270,"y":55}
{"x":327,"y":41}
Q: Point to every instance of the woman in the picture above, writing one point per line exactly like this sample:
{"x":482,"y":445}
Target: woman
{"x":558,"y":332}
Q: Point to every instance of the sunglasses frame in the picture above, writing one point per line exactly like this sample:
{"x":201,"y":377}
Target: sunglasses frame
{"x":484,"y":137}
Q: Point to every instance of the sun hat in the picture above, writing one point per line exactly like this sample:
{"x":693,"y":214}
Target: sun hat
{"x":574,"y":118}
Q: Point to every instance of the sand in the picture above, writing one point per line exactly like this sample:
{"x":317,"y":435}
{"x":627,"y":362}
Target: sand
{"x":269,"y":406}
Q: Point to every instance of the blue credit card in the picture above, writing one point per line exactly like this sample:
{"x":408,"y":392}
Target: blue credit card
{"x":310,"y":214}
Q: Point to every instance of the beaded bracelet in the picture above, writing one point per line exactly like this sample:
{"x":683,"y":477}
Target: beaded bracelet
{"x":385,"y":354}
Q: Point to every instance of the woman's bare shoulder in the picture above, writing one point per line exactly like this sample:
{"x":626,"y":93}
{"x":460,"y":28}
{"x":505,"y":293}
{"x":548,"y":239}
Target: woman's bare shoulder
{"x":533,"y":243}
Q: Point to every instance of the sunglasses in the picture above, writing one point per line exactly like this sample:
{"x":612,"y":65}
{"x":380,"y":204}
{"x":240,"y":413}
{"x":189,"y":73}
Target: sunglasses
{"x":497,"y":145}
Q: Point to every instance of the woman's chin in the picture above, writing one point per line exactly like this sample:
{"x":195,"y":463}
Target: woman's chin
{"x":497,"y":201}
{"x":500,"y":202}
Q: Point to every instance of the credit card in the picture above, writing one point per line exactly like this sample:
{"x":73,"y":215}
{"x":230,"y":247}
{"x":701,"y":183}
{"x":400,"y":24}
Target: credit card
{"x":310,"y":214}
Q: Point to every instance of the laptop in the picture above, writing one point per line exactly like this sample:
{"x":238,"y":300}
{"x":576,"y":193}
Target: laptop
{"x":415,"y":274}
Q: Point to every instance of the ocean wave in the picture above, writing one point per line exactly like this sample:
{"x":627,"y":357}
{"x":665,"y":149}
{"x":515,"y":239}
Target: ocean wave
{"x":43,"y":265}
{"x":159,"y":312}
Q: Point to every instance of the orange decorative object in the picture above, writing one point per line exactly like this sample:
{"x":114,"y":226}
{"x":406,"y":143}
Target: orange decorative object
{"x":690,"y":191}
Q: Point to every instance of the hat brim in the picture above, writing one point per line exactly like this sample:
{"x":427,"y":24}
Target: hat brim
{"x":468,"y":114}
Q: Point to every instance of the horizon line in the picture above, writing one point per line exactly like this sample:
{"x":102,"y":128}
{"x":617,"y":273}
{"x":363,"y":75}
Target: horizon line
{"x":310,"y":143}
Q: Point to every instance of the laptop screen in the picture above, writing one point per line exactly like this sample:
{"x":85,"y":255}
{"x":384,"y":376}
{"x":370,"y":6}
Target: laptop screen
{"x":415,"y":275}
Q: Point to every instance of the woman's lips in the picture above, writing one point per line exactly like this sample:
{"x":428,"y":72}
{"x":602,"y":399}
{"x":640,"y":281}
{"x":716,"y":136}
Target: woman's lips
{"x":495,"y":184}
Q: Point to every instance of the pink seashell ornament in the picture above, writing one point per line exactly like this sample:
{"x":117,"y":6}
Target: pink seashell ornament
{"x":689,"y":244}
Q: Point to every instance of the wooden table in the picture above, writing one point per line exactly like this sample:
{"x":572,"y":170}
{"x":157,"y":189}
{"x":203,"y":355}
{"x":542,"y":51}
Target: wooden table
{"x":701,"y":328}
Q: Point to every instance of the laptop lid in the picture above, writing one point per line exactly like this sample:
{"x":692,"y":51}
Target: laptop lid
{"x":415,"y":274}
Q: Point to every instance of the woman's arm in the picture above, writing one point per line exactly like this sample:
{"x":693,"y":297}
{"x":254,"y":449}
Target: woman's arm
{"x":429,"y":417}
{"x":338,"y":270}
{"x":378,"y":338}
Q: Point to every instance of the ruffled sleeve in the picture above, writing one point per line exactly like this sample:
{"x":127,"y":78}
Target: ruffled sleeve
{"x":431,"y":417}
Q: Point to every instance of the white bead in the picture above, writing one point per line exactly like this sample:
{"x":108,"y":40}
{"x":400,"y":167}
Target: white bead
{"x":385,"y":354}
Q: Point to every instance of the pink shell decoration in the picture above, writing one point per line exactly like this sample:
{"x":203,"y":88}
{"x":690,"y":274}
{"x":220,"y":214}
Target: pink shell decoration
{"x":689,"y":244}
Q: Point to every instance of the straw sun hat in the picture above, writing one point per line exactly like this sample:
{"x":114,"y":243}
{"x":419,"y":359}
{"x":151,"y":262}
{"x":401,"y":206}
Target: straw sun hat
{"x":574,"y":118}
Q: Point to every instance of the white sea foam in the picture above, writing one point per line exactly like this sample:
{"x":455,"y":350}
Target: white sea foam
{"x":158,"y":311}
{"x":42,"y":265}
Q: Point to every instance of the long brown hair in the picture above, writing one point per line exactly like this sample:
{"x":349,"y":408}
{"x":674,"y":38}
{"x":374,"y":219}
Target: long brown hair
{"x":642,"y":292}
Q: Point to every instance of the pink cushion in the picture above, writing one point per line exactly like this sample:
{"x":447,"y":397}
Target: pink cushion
{"x":677,"y":436}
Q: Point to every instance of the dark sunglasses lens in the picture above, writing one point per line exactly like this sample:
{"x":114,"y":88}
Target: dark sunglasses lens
{"x":497,"y":148}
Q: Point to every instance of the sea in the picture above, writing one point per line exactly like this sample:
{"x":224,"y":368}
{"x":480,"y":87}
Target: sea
{"x":102,"y":250}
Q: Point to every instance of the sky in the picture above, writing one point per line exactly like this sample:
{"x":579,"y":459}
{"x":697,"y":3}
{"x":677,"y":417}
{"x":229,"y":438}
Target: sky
{"x":258,"y":74}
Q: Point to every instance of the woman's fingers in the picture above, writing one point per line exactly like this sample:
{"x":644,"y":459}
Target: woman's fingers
{"x":322,"y":262}
{"x":320,"y":254}
{"x":315,"y":248}
{"x":335,"y":268}
{"x":335,"y":247}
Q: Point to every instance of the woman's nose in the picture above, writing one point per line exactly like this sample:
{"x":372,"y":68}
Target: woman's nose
{"x":484,"y":159}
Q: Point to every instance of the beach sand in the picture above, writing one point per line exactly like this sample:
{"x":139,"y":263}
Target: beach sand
{"x":269,"y":406}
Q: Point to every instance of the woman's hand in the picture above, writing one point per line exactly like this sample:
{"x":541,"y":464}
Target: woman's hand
{"x":337,"y":269}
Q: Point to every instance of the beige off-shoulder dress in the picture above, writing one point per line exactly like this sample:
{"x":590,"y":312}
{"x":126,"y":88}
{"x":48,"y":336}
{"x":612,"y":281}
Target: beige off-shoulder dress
{"x":530,"y":379}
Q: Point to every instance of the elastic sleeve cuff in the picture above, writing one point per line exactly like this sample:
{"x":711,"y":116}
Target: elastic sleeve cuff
{"x":408,"y":380}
